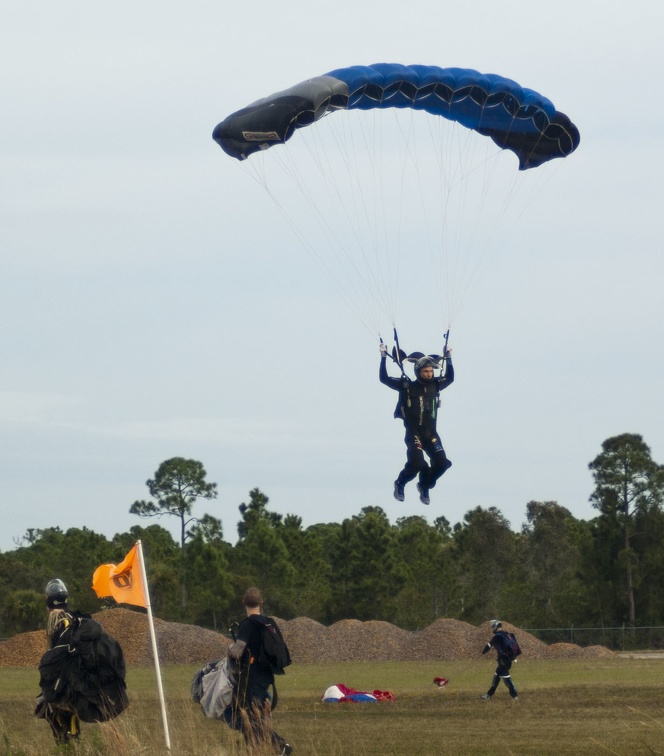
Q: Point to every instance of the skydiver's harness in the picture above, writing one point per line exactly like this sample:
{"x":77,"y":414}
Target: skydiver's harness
{"x":405,"y":395}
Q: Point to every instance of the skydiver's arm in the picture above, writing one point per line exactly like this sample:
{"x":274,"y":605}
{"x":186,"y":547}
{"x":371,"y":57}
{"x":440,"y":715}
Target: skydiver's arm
{"x":235,"y":650}
{"x":393,"y":383}
{"x":448,"y":378}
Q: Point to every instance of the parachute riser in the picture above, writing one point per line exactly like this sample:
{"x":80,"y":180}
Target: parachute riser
{"x":399,"y":355}
{"x":447,"y":338}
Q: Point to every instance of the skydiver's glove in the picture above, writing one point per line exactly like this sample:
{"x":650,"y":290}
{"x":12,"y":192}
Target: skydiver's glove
{"x":383,"y":349}
{"x":448,"y":354}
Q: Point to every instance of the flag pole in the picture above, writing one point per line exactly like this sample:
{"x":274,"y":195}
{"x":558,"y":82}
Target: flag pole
{"x":154,"y":645}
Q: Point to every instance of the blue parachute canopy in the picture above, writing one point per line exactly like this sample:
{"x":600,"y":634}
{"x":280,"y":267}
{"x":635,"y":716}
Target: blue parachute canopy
{"x":517,"y":119}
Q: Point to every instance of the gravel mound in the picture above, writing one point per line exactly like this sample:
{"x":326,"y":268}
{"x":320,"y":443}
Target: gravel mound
{"x":177,"y":643}
{"x":308,"y":641}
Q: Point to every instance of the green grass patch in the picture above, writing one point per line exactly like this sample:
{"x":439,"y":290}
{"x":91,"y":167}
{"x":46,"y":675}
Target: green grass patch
{"x":565,"y":707}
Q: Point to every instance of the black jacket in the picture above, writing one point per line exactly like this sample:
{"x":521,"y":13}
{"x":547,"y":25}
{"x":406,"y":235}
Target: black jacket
{"x":500,"y":644}
{"x":418,"y":400}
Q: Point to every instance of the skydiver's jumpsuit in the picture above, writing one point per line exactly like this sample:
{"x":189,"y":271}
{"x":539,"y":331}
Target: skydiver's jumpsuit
{"x":418,"y":408}
{"x":504,"y":665}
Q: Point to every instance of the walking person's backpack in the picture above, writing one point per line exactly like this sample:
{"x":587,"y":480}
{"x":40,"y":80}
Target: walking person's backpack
{"x":510,"y":645}
{"x":274,"y":651}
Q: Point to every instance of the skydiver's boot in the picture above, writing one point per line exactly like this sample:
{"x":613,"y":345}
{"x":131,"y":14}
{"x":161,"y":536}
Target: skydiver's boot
{"x":424,"y":494}
{"x":59,"y":721}
{"x":399,"y":490}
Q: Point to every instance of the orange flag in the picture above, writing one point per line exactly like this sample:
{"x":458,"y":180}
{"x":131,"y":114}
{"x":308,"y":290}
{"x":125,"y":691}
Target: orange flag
{"x":124,"y":582}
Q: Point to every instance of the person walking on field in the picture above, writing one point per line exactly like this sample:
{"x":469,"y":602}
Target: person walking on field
{"x":507,"y":649}
{"x":82,"y":673}
{"x":251,"y":708}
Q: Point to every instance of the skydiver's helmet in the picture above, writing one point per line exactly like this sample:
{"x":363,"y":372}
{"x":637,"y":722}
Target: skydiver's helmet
{"x":422,"y":363}
{"x":56,"y":594}
{"x":495,"y":625}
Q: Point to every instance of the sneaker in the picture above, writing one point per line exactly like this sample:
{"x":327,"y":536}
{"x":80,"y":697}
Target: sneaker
{"x":424,"y":493}
{"x":485,"y":697}
{"x":515,"y":698}
{"x":399,"y":493}
{"x":288,"y":749}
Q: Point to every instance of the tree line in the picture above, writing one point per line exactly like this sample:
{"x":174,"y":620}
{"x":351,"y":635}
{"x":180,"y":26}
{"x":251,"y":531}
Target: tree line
{"x":556,"y":571}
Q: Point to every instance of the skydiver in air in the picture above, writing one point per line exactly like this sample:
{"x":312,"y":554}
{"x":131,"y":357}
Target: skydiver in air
{"x":418,"y":407}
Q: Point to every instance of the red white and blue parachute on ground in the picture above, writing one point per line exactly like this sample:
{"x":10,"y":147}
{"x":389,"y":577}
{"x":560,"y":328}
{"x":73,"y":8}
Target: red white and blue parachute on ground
{"x":501,"y":114}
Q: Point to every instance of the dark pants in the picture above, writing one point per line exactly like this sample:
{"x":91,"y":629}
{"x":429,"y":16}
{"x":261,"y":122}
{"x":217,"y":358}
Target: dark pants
{"x":250,"y":712}
{"x":503,"y":673}
{"x":416,"y":464}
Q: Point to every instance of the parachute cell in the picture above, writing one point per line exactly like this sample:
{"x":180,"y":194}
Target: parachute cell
{"x":515,"y":118}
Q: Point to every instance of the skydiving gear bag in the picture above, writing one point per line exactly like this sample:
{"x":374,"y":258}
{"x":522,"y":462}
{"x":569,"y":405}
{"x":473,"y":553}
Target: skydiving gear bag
{"x":274,"y":652}
{"x":212,"y":688}
{"x":86,"y":675}
{"x":510,"y":645}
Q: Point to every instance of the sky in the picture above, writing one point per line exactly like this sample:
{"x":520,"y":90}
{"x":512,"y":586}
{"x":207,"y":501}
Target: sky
{"x":153,"y":303}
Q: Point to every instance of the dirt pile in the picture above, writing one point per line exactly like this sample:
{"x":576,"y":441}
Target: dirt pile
{"x":445,"y":639}
{"x":308,"y":641}
{"x":176,"y":643}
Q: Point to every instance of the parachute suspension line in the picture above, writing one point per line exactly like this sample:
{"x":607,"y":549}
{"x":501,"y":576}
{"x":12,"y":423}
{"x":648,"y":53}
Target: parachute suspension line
{"x":471,"y":169}
{"x":411,"y":149}
{"x":366,"y":174}
{"x":390,"y":264}
{"x":337,"y":208}
{"x":479,"y":171}
{"x":400,"y":205}
{"x":350,"y":212}
{"x":374,"y":212}
{"x":354,"y":213}
{"x":452,"y":158}
{"x":255,"y":169}
{"x":499,"y":226}
{"x":511,"y":189}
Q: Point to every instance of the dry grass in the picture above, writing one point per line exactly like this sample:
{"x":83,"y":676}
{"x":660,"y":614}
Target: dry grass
{"x":584,"y":706}
{"x":572,"y":700}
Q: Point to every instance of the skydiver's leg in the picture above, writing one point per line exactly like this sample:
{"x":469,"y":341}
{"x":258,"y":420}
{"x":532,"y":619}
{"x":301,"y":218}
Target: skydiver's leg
{"x":439,"y":462}
{"x":494,"y":684}
{"x":64,"y":724}
{"x":74,"y":726}
{"x":503,"y":672}
{"x":507,"y":679}
{"x":415,"y":461}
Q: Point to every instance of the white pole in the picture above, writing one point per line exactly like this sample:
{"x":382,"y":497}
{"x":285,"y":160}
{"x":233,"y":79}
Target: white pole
{"x":154,"y":645}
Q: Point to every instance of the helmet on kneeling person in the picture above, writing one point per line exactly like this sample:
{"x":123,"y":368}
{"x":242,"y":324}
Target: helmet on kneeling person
{"x":56,"y":594}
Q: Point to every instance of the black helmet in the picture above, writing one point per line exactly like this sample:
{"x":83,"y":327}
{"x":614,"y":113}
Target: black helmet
{"x":56,"y":593}
{"x":424,"y":362}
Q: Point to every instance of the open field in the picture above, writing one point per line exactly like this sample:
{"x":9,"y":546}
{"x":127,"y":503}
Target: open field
{"x":593,"y":706}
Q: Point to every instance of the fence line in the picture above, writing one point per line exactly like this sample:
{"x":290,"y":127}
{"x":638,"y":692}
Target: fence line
{"x":621,"y":638}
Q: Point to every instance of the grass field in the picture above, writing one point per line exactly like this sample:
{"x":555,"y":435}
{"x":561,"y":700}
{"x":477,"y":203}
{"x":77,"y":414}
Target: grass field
{"x":594,"y":706}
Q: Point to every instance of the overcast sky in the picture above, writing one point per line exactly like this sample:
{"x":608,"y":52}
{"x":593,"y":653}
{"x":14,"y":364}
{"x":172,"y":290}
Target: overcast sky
{"x":153,"y":304}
